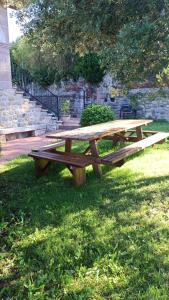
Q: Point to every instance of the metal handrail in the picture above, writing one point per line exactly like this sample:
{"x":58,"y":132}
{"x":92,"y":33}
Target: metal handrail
{"x":34,"y":90}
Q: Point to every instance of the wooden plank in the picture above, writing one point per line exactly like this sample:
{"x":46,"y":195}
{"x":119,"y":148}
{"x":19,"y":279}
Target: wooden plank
{"x":64,"y":158}
{"x":99,"y":130}
{"x":119,"y":138}
{"x":144,"y":131}
{"x":129,"y":134}
{"x":134,"y":148}
{"x":50,"y":146}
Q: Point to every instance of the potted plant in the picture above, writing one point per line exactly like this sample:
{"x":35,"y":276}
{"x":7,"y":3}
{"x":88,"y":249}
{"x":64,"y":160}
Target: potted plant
{"x":65,"y":110}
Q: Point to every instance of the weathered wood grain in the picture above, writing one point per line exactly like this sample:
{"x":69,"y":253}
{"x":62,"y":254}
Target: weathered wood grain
{"x":98,"y":131}
{"x":50,"y":147}
{"x":74,"y":159}
{"x":134,"y":148}
{"x":76,"y":163}
{"x":95,"y":153}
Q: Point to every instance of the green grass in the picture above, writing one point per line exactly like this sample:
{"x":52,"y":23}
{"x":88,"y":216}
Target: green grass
{"x":106,"y":240}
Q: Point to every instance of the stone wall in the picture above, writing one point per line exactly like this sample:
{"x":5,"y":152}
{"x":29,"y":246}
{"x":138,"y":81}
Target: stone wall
{"x":153,"y":103}
{"x":17,"y":111}
{"x":156,"y":107}
{"x":79,"y":93}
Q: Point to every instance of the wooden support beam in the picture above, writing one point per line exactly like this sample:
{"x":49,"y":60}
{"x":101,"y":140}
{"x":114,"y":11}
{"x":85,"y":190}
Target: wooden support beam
{"x":41,"y":167}
{"x":87,"y":150}
{"x":79,"y":176}
{"x":68,"y":145}
{"x":95,"y":153}
{"x":139,"y":133}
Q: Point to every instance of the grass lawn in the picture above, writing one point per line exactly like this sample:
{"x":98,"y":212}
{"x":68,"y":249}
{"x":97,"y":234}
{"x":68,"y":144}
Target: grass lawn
{"x":106,"y":240}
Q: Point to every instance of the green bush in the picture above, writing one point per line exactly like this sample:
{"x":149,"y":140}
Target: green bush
{"x":95,"y":114}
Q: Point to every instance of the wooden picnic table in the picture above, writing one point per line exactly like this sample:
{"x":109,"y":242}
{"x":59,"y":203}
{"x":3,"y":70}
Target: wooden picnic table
{"x":119,"y":130}
{"x":94,"y":133}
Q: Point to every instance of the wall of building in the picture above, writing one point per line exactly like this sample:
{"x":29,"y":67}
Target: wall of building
{"x":5,"y":66}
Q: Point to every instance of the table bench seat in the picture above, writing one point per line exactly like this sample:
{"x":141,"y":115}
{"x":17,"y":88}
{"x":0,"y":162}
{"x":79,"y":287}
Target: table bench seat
{"x":120,"y":155}
{"x":76,"y":163}
{"x":148,"y":132}
{"x":50,"y":147}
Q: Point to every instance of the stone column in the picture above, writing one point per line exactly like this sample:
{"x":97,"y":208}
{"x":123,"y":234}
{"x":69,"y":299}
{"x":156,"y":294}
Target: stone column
{"x":5,"y":64}
{"x":101,"y":94}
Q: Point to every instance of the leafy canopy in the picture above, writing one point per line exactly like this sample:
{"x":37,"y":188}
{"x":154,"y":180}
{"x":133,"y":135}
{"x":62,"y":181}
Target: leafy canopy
{"x":131,"y":36}
{"x":47,"y":66}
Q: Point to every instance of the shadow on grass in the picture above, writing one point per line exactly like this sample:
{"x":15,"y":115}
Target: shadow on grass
{"x":107,"y":238}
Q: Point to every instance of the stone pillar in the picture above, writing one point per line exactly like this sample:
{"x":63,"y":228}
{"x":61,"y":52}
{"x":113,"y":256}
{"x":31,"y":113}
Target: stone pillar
{"x":5,"y":64}
{"x":101,"y":94}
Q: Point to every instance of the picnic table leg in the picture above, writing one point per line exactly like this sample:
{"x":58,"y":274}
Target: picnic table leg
{"x":68,"y":146}
{"x":41,"y":167}
{"x":94,"y":152}
{"x":139,"y":133}
{"x":79,"y":175}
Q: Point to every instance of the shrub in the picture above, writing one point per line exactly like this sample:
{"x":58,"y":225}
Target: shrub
{"x":65,"y":107}
{"x":95,"y":114}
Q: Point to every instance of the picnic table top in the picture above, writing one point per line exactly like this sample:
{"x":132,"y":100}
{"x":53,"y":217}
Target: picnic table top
{"x":98,"y":131}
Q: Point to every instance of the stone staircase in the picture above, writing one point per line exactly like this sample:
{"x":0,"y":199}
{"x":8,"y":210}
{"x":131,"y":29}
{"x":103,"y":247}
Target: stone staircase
{"x":19,"y":112}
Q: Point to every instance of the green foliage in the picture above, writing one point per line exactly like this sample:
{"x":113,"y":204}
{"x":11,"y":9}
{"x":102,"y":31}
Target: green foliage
{"x":89,"y":68}
{"x":130,"y":37}
{"x":47,"y":67}
{"x":26,"y":56}
{"x":95,"y":114}
{"x":138,"y":56}
{"x":44,"y":75}
{"x":65,"y":107}
{"x":16,"y":4}
{"x":106,"y":240}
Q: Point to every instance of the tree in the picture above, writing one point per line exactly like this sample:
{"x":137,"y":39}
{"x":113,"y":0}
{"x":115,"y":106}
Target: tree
{"x":131,"y":36}
{"x":44,"y":65}
{"x":25,"y":56}
{"x":89,"y":67}
{"x":15,"y":4}
{"x":47,"y":66}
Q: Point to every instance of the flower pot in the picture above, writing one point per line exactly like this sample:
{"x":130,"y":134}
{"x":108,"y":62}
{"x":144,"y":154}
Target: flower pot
{"x":65,"y":119}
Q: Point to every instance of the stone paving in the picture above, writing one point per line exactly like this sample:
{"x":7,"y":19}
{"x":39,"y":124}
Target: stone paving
{"x":15,"y":148}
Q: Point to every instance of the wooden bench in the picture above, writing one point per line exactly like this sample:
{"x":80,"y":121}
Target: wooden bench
{"x":119,"y":156}
{"x":8,"y":134}
{"x":145,"y":132}
{"x":76,"y":163}
{"x":131,"y":136}
{"x":51,"y":147}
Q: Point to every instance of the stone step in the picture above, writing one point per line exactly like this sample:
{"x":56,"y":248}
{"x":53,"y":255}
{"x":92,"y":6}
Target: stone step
{"x":19,"y":92}
{"x":18,"y":110}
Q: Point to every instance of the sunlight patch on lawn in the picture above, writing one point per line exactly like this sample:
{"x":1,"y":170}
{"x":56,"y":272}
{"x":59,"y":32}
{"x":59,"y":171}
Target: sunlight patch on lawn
{"x":152,"y":162}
